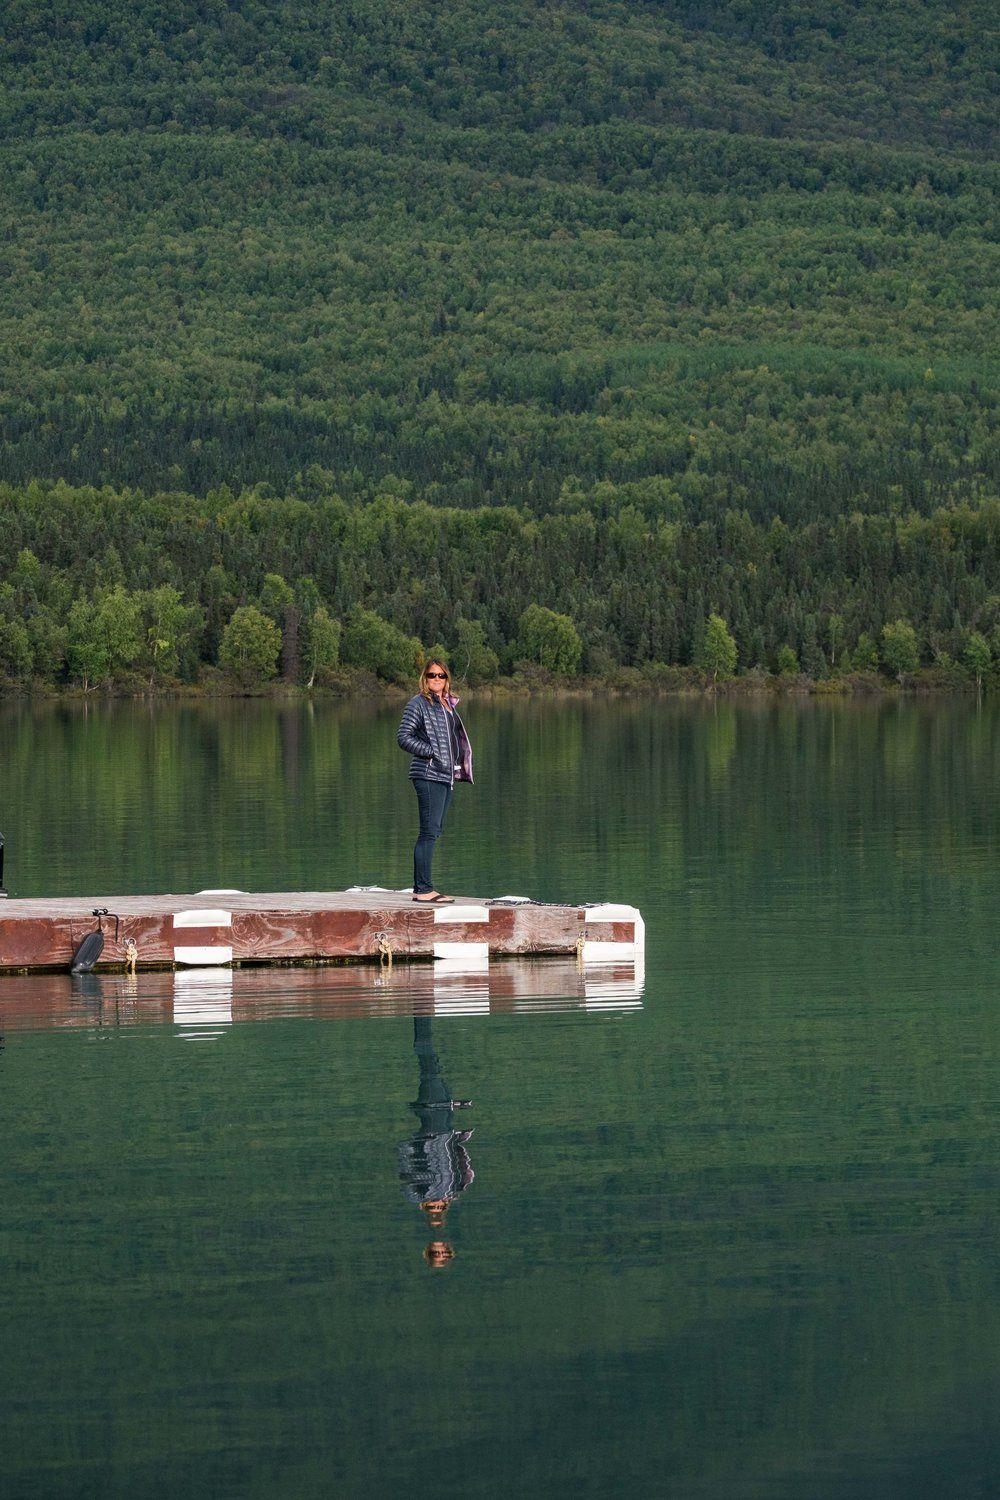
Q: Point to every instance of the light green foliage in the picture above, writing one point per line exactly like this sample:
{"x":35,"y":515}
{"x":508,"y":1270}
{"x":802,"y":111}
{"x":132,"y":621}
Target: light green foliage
{"x":87,"y":657}
{"x":977,"y":657}
{"x":322,"y":649}
{"x":372,"y":643}
{"x":786,"y":661}
{"x":864,"y":657}
{"x":27,"y":575}
{"x":169,"y":626}
{"x":717,"y":653}
{"x":436,"y":652}
{"x":250,"y":646}
{"x":633,"y":587}
{"x":15,"y":650}
{"x":118,"y":626}
{"x":550,"y":640}
{"x":105,"y":635}
{"x":899,"y":648}
{"x":307,"y":595}
{"x":278,"y":601}
{"x":275,"y":596}
{"x":475,"y":662}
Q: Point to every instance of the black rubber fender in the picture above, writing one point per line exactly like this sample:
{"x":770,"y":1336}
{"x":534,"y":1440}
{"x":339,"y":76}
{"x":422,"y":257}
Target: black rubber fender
{"x":88,"y":953}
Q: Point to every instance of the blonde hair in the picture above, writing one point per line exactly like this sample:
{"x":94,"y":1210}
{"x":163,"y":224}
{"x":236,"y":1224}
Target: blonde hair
{"x":425,"y":685}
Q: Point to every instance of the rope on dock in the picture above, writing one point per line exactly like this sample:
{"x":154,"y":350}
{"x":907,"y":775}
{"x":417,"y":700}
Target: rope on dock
{"x":383,"y":946}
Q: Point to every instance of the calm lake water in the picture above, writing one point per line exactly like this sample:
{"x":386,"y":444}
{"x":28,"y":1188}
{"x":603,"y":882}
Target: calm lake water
{"x":737,"y":1238}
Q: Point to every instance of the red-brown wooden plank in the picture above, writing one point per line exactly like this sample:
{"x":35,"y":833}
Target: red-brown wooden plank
{"x":284,"y":927}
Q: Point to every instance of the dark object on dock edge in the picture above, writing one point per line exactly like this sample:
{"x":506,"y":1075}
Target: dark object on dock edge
{"x":92,"y":946}
{"x":2,"y":891}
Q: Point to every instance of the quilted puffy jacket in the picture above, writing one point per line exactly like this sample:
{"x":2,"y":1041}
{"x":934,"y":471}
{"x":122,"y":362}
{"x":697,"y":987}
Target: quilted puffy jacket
{"x":423,"y":733}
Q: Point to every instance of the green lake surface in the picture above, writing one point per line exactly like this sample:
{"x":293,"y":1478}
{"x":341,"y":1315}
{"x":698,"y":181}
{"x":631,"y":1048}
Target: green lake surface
{"x":729,"y":1234}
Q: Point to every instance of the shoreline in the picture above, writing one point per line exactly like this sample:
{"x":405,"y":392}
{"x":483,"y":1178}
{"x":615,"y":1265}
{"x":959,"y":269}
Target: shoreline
{"x":630,"y":682}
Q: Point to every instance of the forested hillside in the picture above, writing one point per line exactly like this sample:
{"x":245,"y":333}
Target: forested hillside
{"x":634,"y":311}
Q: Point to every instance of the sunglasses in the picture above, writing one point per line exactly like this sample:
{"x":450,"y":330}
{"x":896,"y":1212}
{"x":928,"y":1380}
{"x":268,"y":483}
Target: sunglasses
{"x":442,"y":675}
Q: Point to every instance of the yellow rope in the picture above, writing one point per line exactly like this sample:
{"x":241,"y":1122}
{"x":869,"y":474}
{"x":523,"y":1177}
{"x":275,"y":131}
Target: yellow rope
{"x":384,"y":948}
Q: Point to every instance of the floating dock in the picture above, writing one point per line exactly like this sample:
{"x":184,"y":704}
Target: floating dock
{"x":366,"y":925}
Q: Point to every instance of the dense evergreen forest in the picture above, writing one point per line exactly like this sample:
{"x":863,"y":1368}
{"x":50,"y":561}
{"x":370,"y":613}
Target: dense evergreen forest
{"x":544,"y":332}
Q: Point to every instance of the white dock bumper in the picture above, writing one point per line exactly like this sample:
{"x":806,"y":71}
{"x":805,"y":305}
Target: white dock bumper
{"x":616,"y":950}
{"x":202,"y":919}
{"x":462,"y":957}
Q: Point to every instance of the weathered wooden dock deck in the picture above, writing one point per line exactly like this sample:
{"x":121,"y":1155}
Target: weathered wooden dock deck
{"x":234,"y":927}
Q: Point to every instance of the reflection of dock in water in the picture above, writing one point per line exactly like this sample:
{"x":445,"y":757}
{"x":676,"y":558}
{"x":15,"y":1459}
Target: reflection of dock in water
{"x":204,"y":1002}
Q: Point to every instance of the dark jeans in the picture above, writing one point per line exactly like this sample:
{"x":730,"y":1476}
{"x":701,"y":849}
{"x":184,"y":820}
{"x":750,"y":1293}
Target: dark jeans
{"x":433,"y":798}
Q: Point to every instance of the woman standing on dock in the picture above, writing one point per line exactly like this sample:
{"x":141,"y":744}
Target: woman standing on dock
{"x":432,"y":733}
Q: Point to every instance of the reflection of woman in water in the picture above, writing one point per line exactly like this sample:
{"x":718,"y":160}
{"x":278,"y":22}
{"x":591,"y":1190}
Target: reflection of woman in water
{"x":434,"y":1166}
